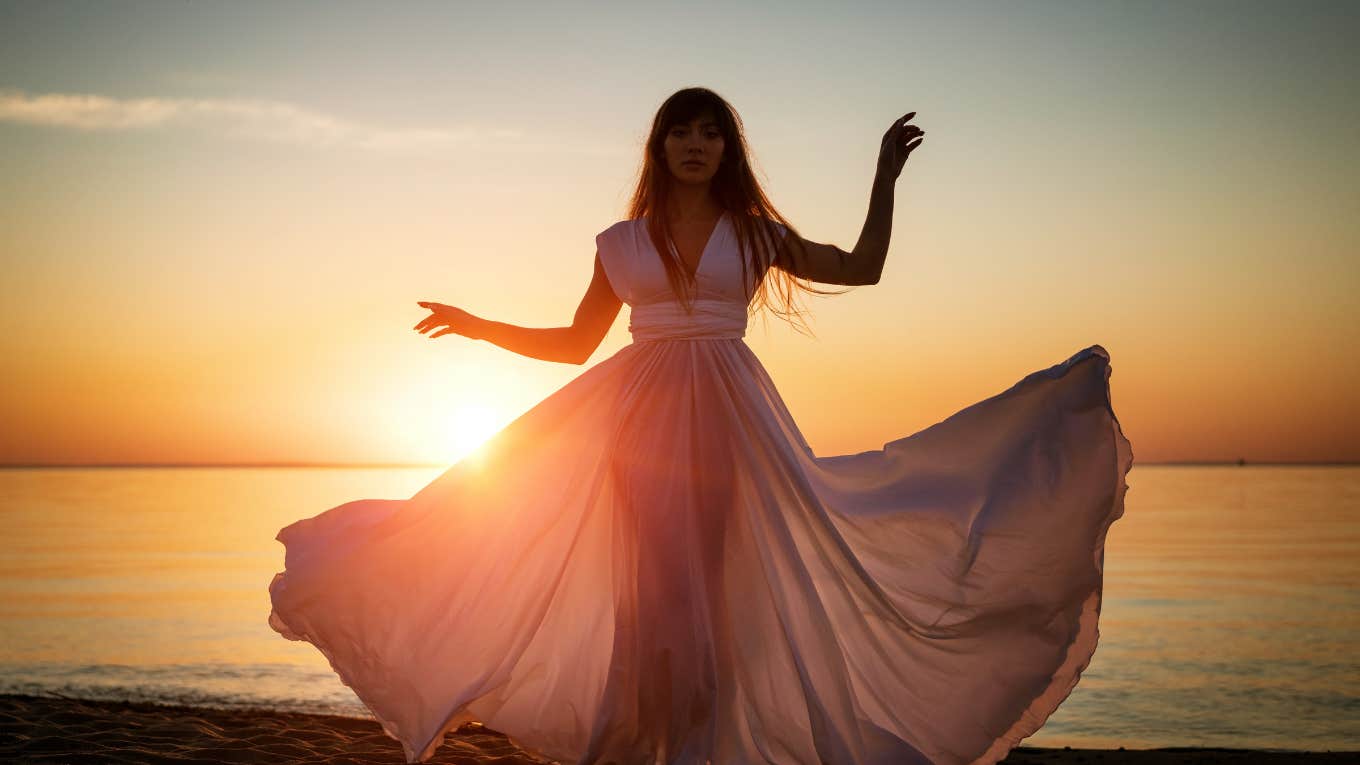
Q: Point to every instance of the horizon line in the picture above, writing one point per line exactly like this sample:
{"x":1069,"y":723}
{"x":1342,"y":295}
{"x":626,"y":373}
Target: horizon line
{"x":309,"y":464}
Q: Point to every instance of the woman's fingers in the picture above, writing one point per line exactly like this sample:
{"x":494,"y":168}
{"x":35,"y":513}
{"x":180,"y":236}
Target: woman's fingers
{"x":442,"y":317}
{"x":899,"y":142}
{"x":900,"y":137}
{"x":420,"y":325}
{"x":899,"y":124}
{"x":429,"y":324}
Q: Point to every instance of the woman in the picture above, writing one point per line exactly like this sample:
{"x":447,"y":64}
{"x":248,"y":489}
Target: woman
{"x":651,"y":565}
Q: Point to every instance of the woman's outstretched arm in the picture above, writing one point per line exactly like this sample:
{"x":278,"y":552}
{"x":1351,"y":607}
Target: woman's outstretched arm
{"x":569,"y":345}
{"x":830,"y":264}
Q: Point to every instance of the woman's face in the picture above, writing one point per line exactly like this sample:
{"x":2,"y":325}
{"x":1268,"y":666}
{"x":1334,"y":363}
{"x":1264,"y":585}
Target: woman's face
{"x":694,"y":150}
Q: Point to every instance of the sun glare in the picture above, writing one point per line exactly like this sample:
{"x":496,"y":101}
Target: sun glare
{"x":471,"y":426}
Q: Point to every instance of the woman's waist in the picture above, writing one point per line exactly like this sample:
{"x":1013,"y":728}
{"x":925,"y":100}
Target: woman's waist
{"x":705,"y":320}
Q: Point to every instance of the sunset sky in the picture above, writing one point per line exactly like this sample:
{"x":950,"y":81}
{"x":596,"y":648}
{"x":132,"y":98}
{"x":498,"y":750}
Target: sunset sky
{"x":216,"y":218}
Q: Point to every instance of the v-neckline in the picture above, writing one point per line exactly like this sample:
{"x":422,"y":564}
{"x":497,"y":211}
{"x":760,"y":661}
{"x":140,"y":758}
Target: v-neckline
{"x":712,"y":235}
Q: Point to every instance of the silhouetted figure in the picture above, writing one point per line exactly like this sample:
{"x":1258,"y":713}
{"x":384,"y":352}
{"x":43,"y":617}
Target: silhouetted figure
{"x":652,"y":566}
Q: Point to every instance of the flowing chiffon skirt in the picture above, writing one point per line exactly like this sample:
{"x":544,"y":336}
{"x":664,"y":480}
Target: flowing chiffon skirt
{"x":652,"y":566}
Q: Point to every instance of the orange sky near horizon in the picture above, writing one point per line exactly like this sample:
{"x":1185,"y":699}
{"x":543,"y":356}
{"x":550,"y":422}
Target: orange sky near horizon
{"x":215,"y":225}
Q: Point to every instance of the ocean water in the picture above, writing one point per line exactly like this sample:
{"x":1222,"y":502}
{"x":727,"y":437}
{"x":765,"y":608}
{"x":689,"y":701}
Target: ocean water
{"x":1231,"y":614}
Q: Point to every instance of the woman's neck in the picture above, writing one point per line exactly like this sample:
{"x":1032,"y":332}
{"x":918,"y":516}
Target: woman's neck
{"x":691,"y":203}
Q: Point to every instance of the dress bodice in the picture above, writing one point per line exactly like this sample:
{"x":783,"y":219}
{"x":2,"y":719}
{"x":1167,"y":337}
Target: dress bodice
{"x":636,"y":273}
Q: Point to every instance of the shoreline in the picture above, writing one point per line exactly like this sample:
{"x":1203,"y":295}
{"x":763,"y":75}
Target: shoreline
{"x":59,"y":729}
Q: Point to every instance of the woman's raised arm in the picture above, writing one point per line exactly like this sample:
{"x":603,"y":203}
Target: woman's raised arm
{"x":569,"y":345}
{"x":830,"y":264}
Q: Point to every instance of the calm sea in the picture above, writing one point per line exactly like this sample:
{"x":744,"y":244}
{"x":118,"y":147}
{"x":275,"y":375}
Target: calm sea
{"x":1231,"y":613}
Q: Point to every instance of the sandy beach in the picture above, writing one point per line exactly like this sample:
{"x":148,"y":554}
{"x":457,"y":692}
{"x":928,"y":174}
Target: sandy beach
{"x":61,"y":730}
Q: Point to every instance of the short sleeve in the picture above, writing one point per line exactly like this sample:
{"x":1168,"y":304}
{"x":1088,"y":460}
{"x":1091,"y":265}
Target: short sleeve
{"x":613,"y":247}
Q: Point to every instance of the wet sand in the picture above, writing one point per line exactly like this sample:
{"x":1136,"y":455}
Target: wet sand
{"x":61,"y":730}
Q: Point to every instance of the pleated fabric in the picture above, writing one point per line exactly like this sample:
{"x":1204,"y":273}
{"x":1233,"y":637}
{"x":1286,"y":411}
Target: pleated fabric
{"x":652,"y":566}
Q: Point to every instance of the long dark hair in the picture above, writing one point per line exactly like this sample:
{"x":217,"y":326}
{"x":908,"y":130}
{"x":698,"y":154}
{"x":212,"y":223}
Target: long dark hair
{"x":736,"y":190}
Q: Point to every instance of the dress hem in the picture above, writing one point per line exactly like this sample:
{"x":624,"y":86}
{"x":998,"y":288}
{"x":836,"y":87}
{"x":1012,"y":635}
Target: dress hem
{"x":1083,"y":645}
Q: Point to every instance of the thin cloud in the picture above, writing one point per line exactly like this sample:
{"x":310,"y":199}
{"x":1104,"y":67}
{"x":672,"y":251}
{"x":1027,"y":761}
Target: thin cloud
{"x":252,"y":119}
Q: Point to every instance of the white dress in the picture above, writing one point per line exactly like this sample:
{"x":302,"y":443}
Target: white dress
{"x":652,"y":566}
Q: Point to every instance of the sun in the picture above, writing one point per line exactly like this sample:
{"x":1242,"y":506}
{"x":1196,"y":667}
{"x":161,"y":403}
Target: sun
{"x":470,"y":426}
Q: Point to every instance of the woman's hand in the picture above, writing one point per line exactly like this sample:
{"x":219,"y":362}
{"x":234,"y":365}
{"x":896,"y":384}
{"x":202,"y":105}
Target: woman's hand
{"x":450,"y":320}
{"x":898,"y":144}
